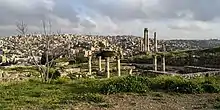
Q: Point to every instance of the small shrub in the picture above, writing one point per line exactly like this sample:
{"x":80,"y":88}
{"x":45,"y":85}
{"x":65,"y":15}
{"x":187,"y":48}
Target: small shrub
{"x":88,"y":97}
{"x":211,"y":88}
{"x":217,"y":106}
{"x":43,"y":58}
{"x":81,"y":59}
{"x":62,"y":60}
{"x":62,"y":80}
{"x":175,"y":84}
{"x":93,"y":98}
{"x":126,"y":84}
{"x":186,"y":87}
{"x":72,"y":61}
{"x":218,"y":99}
{"x":54,"y":73}
{"x":158,"y":95}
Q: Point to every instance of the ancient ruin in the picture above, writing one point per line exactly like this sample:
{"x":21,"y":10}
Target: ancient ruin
{"x":14,"y":52}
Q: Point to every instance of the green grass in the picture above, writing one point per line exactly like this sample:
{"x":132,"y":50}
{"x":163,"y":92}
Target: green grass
{"x":64,"y":93}
{"x":34,"y":94}
{"x":20,"y":68}
{"x":217,"y":104}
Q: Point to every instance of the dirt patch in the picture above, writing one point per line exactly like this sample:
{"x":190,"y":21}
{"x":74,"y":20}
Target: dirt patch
{"x":154,"y":101}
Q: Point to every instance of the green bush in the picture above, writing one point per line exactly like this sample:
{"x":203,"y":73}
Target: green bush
{"x":105,"y":54}
{"x":141,"y":59}
{"x":185,"y":87}
{"x":64,"y":59}
{"x":44,"y":57}
{"x":72,"y":61}
{"x":126,"y":84}
{"x":89,"y":97}
{"x":54,"y":73}
{"x":81,"y":59}
{"x":139,"y":84}
{"x":175,"y":84}
{"x":62,"y":80}
{"x":211,"y":88}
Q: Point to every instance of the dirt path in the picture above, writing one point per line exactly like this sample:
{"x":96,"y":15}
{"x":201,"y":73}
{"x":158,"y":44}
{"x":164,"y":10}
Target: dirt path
{"x":155,"y":101}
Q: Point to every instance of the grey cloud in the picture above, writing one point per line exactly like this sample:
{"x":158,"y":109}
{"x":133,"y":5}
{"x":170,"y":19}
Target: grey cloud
{"x":203,"y":10}
{"x":10,"y":15}
{"x":186,"y":28}
{"x":32,"y":13}
{"x":190,"y":26}
{"x":117,"y":10}
{"x":87,"y":24}
{"x":107,"y":15}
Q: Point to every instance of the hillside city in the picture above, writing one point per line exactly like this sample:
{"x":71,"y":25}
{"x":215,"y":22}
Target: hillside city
{"x":109,"y":55}
{"x":16,"y":48}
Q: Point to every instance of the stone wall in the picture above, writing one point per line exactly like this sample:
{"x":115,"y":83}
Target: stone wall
{"x":14,"y":76}
{"x":195,"y":69}
{"x":195,"y":72}
{"x":209,"y":73}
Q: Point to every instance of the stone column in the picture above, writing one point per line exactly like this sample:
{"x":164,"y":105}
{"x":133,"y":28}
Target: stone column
{"x":163,"y":59}
{"x":121,"y":53}
{"x":107,"y":67}
{"x":141,"y":45}
{"x":68,"y":47}
{"x":130,"y":72}
{"x":146,"y":40}
{"x":155,"y":51}
{"x":119,"y":66}
{"x":100,"y":63}
{"x":106,"y":43}
{"x":163,"y":63}
{"x":148,"y":46}
{"x":90,"y":65}
{"x":155,"y":42}
{"x":1,"y":75}
{"x":155,"y":62}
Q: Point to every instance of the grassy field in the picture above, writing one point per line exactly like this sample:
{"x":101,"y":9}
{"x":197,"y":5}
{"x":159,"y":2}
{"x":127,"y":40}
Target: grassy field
{"x":123,"y":93}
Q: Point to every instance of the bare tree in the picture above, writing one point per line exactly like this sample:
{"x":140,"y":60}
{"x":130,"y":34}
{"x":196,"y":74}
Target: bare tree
{"x":44,"y":69}
{"x":22,"y":28}
{"x":50,"y":27}
{"x":59,"y":31}
{"x":44,"y":27}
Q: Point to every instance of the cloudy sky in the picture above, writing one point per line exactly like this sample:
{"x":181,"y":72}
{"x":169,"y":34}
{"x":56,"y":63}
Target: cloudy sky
{"x":172,"y":19}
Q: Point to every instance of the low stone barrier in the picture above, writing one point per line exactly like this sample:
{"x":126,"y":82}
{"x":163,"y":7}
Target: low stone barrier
{"x":14,"y":76}
{"x":195,"y":69}
{"x":198,"y":74}
{"x":208,"y":72}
